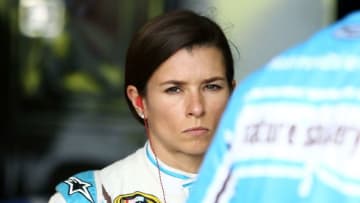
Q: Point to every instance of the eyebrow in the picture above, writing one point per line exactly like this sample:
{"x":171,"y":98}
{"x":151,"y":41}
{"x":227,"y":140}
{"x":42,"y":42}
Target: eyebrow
{"x":178,"y":82}
{"x":215,"y":79}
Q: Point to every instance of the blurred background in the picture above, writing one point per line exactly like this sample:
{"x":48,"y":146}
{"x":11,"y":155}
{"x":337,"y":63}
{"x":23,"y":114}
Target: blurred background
{"x":62,"y":72}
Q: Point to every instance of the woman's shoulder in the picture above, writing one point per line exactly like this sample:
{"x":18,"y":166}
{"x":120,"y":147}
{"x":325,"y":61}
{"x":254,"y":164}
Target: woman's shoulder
{"x":86,"y":186}
{"x":81,"y":187}
{"x":118,"y":167}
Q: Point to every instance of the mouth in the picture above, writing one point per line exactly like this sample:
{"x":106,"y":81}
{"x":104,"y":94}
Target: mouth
{"x":196,"y":131}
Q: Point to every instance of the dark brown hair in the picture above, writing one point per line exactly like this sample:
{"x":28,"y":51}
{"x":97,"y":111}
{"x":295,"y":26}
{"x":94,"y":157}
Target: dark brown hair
{"x":164,"y":35}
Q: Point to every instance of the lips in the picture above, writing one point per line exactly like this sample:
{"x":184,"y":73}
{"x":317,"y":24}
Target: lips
{"x":196,"y":131}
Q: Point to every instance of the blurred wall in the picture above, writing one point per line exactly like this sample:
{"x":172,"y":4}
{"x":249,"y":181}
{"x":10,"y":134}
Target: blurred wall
{"x":262,"y":29}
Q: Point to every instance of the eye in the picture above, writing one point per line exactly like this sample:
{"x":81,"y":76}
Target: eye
{"x":213,"y":87}
{"x":173,"y":90}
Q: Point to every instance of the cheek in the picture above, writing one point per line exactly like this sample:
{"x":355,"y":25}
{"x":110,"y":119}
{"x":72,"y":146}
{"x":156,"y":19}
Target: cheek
{"x":164,"y":119}
{"x":164,"y":110}
{"x":217,"y":107}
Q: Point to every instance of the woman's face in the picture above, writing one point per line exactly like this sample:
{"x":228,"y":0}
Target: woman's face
{"x":184,"y":100}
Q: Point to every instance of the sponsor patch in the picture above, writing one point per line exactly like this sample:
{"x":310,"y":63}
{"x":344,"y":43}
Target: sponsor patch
{"x":136,"y":197}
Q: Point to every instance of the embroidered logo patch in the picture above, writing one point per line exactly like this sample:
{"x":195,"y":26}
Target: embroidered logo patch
{"x":77,"y":185}
{"x":136,"y":197}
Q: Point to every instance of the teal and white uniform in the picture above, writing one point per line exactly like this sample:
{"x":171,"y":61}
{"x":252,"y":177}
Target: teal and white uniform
{"x":291,"y":131}
{"x":133,"y":179}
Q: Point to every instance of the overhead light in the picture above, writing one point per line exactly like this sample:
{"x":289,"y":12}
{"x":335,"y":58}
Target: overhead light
{"x":41,"y":18}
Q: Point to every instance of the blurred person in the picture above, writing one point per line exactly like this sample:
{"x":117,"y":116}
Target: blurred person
{"x":291,"y":131}
{"x":179,"y":75}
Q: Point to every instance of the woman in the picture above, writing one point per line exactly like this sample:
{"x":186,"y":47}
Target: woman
{"x":178,"y":78}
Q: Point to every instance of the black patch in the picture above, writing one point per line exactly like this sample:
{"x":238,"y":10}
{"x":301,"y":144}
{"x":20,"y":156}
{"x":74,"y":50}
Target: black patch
{"x":77,"y":185}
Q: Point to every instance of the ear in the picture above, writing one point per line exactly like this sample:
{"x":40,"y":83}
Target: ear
{"x":134,"y":96}
{"x":233,"y":84}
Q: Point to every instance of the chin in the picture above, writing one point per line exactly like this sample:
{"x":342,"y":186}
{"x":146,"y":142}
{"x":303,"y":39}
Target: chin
{"x":197,"y":151}
{"x":198,"y":147}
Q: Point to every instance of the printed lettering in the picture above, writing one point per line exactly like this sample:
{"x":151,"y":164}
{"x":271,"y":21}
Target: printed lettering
{"x":263,"y":132}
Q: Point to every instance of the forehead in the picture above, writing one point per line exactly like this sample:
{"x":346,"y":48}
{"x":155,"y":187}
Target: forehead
{"x":199,"y":62}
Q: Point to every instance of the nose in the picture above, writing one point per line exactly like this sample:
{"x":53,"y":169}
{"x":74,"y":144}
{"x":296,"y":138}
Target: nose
{"x":195,"y":106}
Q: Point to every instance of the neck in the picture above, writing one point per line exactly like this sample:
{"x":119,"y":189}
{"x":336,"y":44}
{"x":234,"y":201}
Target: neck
{"x":189,"y":164}
{"x":185,"y":162}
